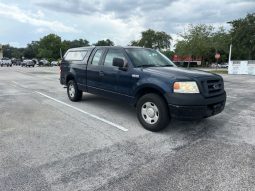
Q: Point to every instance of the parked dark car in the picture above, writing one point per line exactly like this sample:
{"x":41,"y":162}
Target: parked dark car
{"x":28,"y":63}
{"x":16,"y":62}
{"x":43,"y":62}
{"x":144,"y":78}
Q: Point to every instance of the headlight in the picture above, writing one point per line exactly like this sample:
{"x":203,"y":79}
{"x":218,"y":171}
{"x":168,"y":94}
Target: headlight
{"x":186,"y":87}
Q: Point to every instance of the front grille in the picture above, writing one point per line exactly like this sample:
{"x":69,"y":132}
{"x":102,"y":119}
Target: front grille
{"x":212,"y":87}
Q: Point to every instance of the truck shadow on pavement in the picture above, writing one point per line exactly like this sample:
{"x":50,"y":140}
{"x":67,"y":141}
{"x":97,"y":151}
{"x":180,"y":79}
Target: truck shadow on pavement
{"x":127,"y":112}
{"x":215,"y":127}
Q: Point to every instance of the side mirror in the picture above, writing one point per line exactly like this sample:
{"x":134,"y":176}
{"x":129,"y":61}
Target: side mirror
{"x":119,"y":62}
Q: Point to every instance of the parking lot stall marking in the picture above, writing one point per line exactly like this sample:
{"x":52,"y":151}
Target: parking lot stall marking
{"x":84,"y":112}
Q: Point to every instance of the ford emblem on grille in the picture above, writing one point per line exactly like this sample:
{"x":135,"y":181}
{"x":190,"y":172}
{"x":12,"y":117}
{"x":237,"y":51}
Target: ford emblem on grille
{"x":216,"y":86}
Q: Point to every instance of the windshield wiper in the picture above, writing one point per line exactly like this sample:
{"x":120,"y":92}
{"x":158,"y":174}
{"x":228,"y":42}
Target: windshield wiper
{"x":167,"y":65}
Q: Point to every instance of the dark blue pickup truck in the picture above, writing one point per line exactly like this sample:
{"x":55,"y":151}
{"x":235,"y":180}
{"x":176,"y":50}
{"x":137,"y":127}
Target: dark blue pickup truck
{"x":144,"y":78}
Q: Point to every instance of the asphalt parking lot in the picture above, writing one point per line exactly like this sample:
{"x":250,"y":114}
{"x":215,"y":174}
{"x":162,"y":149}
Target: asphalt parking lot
{"x":50,"y":143}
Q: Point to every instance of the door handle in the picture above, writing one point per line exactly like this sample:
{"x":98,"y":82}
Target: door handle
{"x":101,"y":73}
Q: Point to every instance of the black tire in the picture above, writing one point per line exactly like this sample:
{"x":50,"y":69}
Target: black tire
{"x":161,"y":112}
{"x":77,"y":94}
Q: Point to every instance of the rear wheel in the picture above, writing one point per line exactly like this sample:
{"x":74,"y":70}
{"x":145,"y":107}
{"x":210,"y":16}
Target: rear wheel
{"x":152,"y":112}
{"x":73,"y":92}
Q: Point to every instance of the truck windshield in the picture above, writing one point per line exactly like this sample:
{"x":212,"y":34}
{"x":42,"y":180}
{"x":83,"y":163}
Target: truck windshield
{"x":148,"y":58}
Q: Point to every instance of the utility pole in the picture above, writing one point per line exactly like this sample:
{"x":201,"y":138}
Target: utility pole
{"x":230,"y":52}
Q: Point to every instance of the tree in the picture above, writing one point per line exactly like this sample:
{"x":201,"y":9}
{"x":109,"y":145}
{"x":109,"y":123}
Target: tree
{"x":168,"y":53}
{"x":197,"y":40}
{"x":66,"y":44}
{"x":106,"y":42}
{"x":220,"y":44}
{"x":203,"y":41}
{"x":12,"y":52}
{"x":153,"y":39}
{"x":7,"y":51}
{"x":31,"y":51}
{"x":49,"y":47}
{"x":243,"y":37}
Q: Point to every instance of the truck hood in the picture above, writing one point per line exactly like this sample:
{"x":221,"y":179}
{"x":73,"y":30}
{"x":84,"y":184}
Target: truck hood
{"x":175,"y":72}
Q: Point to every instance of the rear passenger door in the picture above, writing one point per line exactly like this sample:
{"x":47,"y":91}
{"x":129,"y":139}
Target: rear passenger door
{"x":94,"y":75}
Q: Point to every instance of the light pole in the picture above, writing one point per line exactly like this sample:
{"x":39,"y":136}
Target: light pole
{"x":230,"y":52}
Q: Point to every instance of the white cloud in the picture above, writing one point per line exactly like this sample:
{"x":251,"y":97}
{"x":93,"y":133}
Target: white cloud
{"x":14,"y":12}
{"x":101,"y":27}
{"x":119,"y":20}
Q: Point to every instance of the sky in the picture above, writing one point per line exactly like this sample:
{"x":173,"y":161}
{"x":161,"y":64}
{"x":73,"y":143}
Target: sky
{"x":23,"y":21}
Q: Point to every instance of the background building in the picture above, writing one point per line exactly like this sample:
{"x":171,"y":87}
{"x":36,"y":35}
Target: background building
{"x":1,"y":51}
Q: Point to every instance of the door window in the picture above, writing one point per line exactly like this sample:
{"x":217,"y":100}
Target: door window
{"x":97,"y":56}
{"x":113,"y":54}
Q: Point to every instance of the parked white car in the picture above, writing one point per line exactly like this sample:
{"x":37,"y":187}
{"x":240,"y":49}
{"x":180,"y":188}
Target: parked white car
{"x":6,"y":62}
{"x":223,"y":65}
{"x":54,"y":63}
{"x":43,"y":62}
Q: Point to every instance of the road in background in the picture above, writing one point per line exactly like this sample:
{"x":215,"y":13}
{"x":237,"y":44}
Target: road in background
{"x":50,"y":143}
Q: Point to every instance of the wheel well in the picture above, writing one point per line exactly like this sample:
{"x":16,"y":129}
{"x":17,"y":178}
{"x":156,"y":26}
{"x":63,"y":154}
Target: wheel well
{"x":146,"y":90}
{"x":68,"y":78}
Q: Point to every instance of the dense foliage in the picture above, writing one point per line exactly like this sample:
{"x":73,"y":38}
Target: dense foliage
{"x":153,"y":39}
{"x":106,"y":42}
{"x":47,"y":47}
{"x":243,"y":37}
{"x":204,"y":41}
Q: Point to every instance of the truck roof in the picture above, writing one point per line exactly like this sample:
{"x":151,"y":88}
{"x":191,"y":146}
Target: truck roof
{"x":92,"y":47}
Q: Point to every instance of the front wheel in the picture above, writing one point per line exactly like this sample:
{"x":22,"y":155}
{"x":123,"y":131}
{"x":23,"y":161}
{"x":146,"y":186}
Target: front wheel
{"x":73,"y":92}
{"x":152,"y":112}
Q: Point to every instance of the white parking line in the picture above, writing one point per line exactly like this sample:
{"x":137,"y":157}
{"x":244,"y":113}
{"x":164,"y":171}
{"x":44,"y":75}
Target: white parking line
{"x":89,"y":114}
